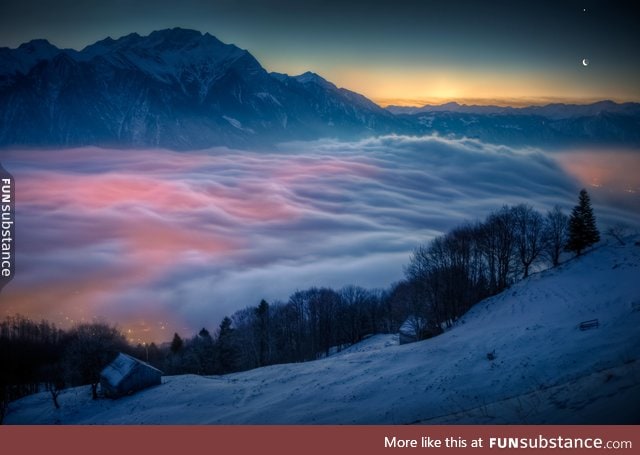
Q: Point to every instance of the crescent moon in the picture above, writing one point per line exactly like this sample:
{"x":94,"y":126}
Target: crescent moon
{"x":585,"y":62}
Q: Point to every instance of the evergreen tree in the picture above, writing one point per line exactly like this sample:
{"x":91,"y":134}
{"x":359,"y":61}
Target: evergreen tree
{"x":262,"y":332}
{"x":226,"y":347}
{"x":583,"y":231}
{"x":202,"y":349}
{"x":176,"y":344}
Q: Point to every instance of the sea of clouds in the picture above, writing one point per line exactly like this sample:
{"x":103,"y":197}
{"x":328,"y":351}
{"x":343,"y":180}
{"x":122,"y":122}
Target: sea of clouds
{"x":160,"y":241}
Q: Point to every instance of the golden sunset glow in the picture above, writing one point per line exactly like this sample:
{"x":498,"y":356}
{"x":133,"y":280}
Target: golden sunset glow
{"x":417,"y":86}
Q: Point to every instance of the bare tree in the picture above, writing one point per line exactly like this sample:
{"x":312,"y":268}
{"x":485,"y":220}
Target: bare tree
{"x":353,"y":319}
{"x":618,"y":231}
{"x":91,"y":347}
{"x":529,"y":235}
{"x":497,"y":241}
{"x":448,"y":276}
{"x":53,"y":375}
{"x":556,"y":231}
{"x":286,"y":325}
{"x":248,"y":335}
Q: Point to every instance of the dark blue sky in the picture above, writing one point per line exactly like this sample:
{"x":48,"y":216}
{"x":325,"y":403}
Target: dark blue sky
{"x":393,"y":51}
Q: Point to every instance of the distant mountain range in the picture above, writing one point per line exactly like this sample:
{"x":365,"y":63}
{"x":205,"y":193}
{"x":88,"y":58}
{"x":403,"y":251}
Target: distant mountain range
{"x":182,"y":89}
{"x":554,"y":111}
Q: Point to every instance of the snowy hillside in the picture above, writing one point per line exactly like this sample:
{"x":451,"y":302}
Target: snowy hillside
{"x":545,"y":370}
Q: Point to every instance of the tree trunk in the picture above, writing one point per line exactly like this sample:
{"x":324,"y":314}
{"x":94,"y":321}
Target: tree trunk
{"x":54,"y":396}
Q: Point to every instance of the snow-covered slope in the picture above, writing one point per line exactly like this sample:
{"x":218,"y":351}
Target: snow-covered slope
{"x":546,"y":370}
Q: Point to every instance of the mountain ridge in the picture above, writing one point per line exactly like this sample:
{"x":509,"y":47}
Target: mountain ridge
{"x":551,"y":110}
{"x":184,"y":89}
{"x":174,"y":88}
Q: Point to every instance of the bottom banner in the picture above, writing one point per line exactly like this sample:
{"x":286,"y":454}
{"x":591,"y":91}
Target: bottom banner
{"x":161,"y":440}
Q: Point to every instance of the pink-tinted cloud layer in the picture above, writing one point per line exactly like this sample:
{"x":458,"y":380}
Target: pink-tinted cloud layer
{"x":160,"y":241}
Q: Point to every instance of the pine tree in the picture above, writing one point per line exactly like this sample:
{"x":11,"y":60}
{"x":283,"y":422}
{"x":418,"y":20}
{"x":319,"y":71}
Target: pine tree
{"x":176,"y":343}
{"x":262,"y":332}
{"x":226,"y":347}
{"x":204,"y":352}
{"x":583,"y":231}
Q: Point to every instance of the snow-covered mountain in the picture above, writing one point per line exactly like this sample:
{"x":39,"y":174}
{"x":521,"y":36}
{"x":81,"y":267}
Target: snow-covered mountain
{"x":175,"y":88}
{"x":182,"y":89}
{"x":543,"y":368}
{"x":17,"y":62}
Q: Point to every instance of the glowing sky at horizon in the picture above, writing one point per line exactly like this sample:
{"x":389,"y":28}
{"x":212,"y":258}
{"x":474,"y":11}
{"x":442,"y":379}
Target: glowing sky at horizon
{"x":158,"y":241}
{"x":402,"y":52}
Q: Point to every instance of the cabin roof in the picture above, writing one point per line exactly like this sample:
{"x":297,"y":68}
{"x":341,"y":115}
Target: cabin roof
{"x":121,"y":367}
